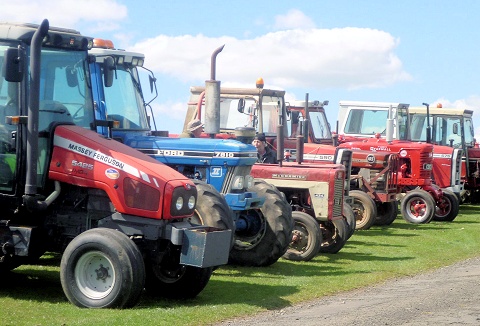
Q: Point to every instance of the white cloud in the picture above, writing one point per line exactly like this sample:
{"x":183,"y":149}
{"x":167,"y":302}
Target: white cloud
{"x":100,"y":15}
{"x":318,"y":58}
{"x":292,"y":20}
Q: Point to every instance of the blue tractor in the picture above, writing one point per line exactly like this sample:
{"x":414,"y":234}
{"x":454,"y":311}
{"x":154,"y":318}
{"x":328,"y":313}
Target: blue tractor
{"x":228,"y":197}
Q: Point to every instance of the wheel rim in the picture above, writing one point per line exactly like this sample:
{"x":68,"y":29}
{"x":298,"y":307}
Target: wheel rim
{"x":417,"y":208}
{"x":300,"y":239}
{"x":95,"y":275}
{"x":360,"y":214}
{"x":253,"y":234}
{"x":443,"y":207}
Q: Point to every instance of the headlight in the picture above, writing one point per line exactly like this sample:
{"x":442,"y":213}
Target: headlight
{"x":179,"y":203}
{"x":191,"y":202}
{"x":238,"y":182}
{"x":248,"y":181}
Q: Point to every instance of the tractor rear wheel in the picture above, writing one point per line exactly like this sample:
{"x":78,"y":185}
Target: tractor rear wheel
{"x":212,"y":209}
{"x":447,"y":207}
{"x":364,"y":208}
{"x":386,"y":213}
{"x":334,"y":234}
{"x":102,"y":268}
{"x":306,"y":238}
{"x":270,"y":229}
{"x":418,"y":207}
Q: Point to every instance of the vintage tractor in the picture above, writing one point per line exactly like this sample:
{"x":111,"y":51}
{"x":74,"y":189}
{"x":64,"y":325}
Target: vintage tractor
{"x":373,"y":178}
{"x":361,"y":126}
{"x":449,"y":128}
{"x":316,"y":193}
{"x":228,"y":197}
{"x":119,"y":217}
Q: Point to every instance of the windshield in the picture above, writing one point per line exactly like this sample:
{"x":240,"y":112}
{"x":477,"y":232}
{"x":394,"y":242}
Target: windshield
{"x":231,"y":118}
{"x":320,"y":127}
{"x":366,"y":122}
{"x":124,"y":101}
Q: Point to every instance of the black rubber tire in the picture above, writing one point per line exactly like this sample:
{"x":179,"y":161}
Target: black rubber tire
{"x":386,"y":213}
{"x":334,"y":234}
{"x":106,"y":251}
{"x":364,"y":208}
{"x":349,"y":216}
{"x":272,"y":241}
{"x":174,"y":281}
{"x":212,"y":209}
{"x":306,"y":238}
{"x":448,"y":208}
{"x":424,"y":213}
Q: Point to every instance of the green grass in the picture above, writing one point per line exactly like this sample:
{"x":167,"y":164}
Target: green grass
{"x":32,"y":295}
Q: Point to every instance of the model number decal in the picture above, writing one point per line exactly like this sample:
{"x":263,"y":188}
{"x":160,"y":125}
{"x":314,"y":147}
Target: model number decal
{"x":82,"y":165}
{"x":224,"y":154}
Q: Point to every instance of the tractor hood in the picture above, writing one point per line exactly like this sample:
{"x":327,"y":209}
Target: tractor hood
{"x":134,"y":182}
{"x":205,"y":151}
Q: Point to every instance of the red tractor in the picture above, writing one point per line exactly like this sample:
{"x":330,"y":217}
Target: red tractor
{"x":362,"y":126}
{"x":315,"y":192}
{"x":373,"y":181}
{"x":118,"y":217}
{"x":452,"y":135}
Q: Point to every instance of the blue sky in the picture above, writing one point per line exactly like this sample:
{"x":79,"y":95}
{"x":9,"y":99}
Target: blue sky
{"x":390,"y":51}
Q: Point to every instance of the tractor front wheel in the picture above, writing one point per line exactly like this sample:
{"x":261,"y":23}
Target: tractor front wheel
{"x":306,"y":238}
{"x":168,"y":279}
{"x":334,"y":234}
{"x":418,"y":207}
{"x":349,"y":216}
{"x":102,"y":268}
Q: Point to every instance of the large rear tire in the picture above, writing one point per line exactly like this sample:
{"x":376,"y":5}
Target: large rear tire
{"x":418,"y":207}
{"x":270,"y":235}
{"x":447,"y":207}
{"x":386,"y":213}
{"x":212,"y":209}
{"x":364,"y":208}
{"x":306,"y":238}
{"x":102,"y":268}
{"x":334,"y":234}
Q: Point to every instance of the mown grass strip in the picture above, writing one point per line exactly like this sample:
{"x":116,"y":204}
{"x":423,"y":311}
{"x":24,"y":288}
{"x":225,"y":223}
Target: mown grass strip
{"x":32,"y":295}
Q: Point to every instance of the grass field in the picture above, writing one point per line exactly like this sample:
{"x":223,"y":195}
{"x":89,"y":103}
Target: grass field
{"x":32,"y":295}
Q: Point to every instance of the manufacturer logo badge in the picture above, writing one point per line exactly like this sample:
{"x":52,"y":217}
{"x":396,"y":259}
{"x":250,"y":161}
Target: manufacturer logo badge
{"x":112,"y":174}
{"x":371,"y":159}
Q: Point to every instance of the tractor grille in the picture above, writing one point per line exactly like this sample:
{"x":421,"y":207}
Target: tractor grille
{"x":337,"y":196}
{"x":425,"y":160}
{"x":456,"y":167}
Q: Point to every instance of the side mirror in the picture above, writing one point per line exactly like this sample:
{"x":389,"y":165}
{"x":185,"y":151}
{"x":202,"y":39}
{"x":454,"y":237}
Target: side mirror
{"x":71,"y":74}
{"x":455,"y":128}
{"x":13,"y":65}
{"x":241,"y":105}
{"x":108,"y":69}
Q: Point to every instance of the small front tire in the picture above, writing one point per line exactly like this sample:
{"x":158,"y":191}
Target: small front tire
{"x":102,"y":268}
